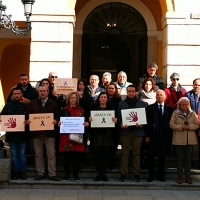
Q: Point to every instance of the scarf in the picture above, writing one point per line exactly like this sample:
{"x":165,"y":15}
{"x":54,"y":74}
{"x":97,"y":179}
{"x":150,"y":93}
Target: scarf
{"x":131,"y":101}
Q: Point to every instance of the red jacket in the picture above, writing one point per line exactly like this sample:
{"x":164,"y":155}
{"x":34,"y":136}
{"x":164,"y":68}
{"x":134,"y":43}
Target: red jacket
{"x":172,"y":96}
{"x":65,"y":143}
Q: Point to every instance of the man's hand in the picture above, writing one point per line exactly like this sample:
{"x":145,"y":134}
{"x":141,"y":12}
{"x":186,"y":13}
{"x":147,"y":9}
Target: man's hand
{"x":147,"y":140}
{"x":124,"y":126}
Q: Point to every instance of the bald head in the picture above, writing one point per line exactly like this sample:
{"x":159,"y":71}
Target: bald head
{"x":160,"y":96}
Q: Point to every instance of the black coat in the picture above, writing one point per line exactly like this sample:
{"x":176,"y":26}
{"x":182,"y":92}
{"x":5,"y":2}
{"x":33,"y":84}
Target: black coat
{"x":30,"y":93}
{"x":101,"y":136}
{"x":158,"y":130}
{"x":15,"y":108}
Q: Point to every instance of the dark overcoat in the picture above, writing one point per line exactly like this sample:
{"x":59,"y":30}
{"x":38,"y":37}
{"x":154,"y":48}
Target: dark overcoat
{"x":158,"y":130}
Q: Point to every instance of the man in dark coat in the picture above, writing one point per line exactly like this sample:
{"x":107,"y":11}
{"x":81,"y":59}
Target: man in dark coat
{"x":17,"y":140}
{"x":47,"y":137}
{"x":151,"y":72}
{"x":130,"y":136}
{"x":28,"y":91}
{"x":158,"y":135}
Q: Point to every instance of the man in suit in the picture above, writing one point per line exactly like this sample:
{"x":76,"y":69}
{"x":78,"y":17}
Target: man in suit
{"x":158,"y":135}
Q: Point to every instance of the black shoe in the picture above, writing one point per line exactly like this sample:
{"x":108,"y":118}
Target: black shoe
{"x":137,"y":178}
{"x":104,"y":178}
{"x":161,"y":178}
{"x":149,"y":179}
{"x":99,"y":176}
{"x":23,"y":176}
{"x":65,"y":178}
{"x":15,"y":176}
{"x":122,"y":178}
{"x":76,"y":178}
{"x":39,"y":177}
{"x":54,"y":178}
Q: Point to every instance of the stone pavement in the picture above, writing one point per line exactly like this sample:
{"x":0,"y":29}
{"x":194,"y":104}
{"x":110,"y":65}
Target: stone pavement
{"x":59,"y":194}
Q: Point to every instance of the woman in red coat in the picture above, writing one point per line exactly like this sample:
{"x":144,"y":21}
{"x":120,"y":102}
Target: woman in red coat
{"x":72,"y":151}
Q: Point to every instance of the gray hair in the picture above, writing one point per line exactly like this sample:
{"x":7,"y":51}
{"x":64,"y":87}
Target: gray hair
{"x":107,"y":74}
{"x":94,"y":75}
{"x":152,"y":65}
{"x":42,"y":86}
{"x":181,"y":100}
{"x":175,"y":75}
{"x":121,"y":72}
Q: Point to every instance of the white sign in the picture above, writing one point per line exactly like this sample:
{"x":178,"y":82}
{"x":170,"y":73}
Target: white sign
{"x":102,"y":118}
{"x":132,"y":116}
{"x":12,"y":123}
{"x":72,"y":125}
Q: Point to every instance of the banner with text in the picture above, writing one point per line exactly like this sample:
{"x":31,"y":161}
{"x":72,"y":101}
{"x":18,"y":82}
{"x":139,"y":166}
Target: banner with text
{"x":102,"y":118}
{"x":41,"y":121}
{"x":65,"y":85}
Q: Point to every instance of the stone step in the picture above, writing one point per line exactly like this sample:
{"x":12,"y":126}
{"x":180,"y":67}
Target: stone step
{"x":170,"y":173}
{"x":112,"y":184}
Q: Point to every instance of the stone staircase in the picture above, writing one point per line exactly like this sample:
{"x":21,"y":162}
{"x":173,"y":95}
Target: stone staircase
{"x":88,"y":173}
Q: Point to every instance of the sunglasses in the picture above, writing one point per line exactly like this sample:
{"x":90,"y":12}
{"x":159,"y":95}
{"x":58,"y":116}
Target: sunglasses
{"x":54,"y":76}
{"x":175,"y":79}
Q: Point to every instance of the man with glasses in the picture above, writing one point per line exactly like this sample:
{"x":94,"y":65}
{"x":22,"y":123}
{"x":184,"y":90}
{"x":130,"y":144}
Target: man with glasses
{"x":194,"y":97}
{"x":175,"y":91}
{"x":52,"y":77}
{"x":94,"y":89}
{"x":106,"y":79}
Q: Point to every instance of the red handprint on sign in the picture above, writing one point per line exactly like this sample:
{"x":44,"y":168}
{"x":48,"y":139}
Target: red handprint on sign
{"x":134,"y":116}
{"x":12,"y":123}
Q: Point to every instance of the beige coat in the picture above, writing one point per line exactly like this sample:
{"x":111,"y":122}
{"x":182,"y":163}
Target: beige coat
{"x":180,"y":136}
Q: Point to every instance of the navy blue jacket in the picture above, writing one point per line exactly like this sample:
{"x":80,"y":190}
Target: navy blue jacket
{"x":139,"y":131}
{"x":30,"y":93}
{"x":194,"y":103}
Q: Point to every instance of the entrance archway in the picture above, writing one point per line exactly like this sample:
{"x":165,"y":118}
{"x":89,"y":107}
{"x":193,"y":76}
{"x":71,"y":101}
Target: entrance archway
{"x":114,"y":39}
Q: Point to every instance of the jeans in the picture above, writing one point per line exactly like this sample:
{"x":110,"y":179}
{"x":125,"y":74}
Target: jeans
{"x":18,"y":156}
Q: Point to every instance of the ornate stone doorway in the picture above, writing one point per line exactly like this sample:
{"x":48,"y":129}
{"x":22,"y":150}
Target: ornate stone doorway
{"x":114,"y":39}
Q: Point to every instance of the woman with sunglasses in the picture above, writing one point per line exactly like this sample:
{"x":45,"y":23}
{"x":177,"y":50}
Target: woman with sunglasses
{"x":175,"y":91}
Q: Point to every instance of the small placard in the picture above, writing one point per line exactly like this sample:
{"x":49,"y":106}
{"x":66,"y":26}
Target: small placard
{"x":41,"y":121}
{"x":12,"y":123}
{"x":132,"y":116}
{"x":102,"y":118}
{"x":65,"y":85}
{"x":72,"y":125}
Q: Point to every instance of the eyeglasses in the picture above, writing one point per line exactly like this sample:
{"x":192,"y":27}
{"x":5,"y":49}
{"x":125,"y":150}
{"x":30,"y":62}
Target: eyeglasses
{"x":196,"y":85}
{"x":54,"y":76}
{"x":175,"y":79}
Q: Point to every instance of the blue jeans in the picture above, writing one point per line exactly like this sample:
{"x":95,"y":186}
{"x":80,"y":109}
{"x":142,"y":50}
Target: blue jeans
{"x":18,"y":156}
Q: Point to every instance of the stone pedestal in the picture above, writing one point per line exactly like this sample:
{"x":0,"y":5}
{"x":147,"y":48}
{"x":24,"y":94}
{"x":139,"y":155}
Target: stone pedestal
{"x":5,"y":169}
{"x":181,"y":46}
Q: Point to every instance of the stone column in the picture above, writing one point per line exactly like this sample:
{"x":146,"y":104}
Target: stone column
{"x":181,"y":46}
{"x":51,"y":39}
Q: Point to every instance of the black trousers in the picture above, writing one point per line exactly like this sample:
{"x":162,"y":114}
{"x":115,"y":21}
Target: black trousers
{"x":72,"y":158}
{"x":101,"y":157}
{"x":151,"y":165}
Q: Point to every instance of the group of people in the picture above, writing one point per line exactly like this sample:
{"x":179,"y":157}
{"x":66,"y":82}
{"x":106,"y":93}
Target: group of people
{"x":171,"y":113}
